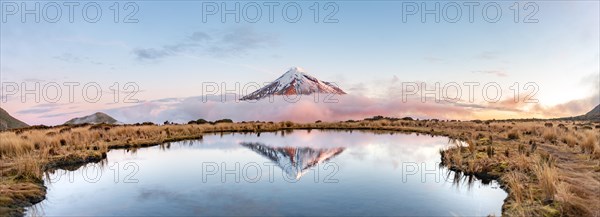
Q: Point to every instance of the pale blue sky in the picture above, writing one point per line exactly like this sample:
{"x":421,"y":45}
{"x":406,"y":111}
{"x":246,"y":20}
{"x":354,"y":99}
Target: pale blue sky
{"x":368,"y":45}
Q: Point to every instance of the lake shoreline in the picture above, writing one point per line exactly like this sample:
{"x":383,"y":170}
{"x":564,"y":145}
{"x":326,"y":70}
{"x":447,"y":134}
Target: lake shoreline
{"x":69,"y":146}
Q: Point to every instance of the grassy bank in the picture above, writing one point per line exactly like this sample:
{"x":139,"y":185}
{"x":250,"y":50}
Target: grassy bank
{"x":548,"y":168}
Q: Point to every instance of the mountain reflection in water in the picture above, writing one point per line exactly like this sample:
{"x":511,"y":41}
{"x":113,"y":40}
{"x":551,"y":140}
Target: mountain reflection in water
{"x":294,"y":161}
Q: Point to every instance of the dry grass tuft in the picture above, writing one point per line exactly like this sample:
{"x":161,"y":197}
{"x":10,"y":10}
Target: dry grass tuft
{"x":569,"y":139}
{"x":513,"y":135}
{"x":570,"y":202}
{"x":590,"y":144}
{"x":547,"y":178}
{"x":472,"y":145}
{"x":514,"y":182}
{"x":13,"y":145}
{"x":550,"y":135}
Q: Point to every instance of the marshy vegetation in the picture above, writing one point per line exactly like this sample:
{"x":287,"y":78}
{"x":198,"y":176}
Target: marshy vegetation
{"x":548,"y":168}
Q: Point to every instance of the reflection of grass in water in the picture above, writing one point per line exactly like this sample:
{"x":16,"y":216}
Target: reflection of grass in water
{"x":508,"y":151}
{"x":459,"y":179}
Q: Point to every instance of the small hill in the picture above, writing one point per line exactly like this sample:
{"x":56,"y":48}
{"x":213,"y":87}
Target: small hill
{"x":95,"y":118}
{"x":9,"y":122}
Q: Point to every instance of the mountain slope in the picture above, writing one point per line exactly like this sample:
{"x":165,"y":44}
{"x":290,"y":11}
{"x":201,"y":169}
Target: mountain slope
{"x":594,"y":114}
{"x":294,"y":82}
{"x":9,"y":122}
{"x":95,"y":118}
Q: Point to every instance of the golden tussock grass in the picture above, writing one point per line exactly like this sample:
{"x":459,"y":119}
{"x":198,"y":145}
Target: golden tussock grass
{"x":525,"y":156}
{"x":12,"y":145}
{"x":590,"y":144}
{"x":519,"y":194}
{"x":547,"y":178}
{"x":545,"y":169}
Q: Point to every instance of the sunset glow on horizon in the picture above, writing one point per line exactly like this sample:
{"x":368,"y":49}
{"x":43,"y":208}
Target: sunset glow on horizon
{"x":148,"y":75}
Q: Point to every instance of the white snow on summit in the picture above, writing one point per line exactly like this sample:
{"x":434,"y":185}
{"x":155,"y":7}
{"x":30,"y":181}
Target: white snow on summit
{"x":294,"y":82}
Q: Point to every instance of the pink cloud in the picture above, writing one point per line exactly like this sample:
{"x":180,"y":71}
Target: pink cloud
{"x":303,"y":110}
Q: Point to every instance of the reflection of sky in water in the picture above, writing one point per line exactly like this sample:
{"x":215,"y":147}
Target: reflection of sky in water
{"x":369,"y":175}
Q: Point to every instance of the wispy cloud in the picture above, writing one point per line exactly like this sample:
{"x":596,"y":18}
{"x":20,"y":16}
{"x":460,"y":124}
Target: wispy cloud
{"x":62,"y":114}
{"x":71,"y":59}
{"x":499,"y":73}
{"x":571,"y":108}
{"x":592,"y":81}
{"x":68,"y":57}
{"x":432,"y":59}
{"x":229,"y":42}
{"x":33,"y":80}
{"x":40,"y":108}
{"x":487,"y":55}
{"x":165,"y":51}
{"x":199,"y":36}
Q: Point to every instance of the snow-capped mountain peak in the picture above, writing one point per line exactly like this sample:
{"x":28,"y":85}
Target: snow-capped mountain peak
{"x":296,"y":81}
{"x":296,"y":69}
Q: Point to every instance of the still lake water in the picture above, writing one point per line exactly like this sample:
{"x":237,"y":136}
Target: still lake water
{"x":300,"y":172}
